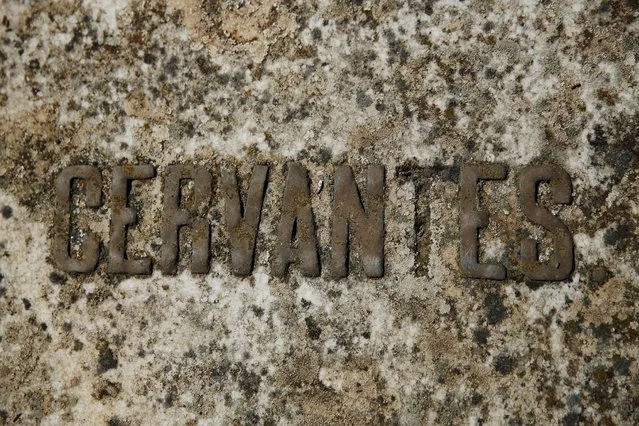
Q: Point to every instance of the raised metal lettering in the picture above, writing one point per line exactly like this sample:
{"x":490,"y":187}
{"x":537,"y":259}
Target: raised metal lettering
{"x":366,"y":223}
{"x":471,"y":219}
{"x":122,"y":216}
{"x":243,"y":219}
{"x":296,"y":239}
{"x":89,"y":250}
{"x":562,"y":259}
{"x":175,"y":217}
{"x":422,"y":181}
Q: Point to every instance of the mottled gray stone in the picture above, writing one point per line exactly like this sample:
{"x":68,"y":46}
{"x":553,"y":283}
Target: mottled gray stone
{"x":419,"y":87}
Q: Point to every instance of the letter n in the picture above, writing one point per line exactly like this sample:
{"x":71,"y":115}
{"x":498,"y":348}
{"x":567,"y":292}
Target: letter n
{"x":357,"y":225}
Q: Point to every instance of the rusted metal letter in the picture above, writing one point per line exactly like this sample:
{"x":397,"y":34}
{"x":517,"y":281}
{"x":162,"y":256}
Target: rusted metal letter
{"x":471,"y":219}
{"x":89,"y":250}
{"x":175,"y":217}
{"x":562,"y":259}
{"x":122,"y":216}
{"x":364,"y":224}
{"x":296,"y":239}
{"x":243,"y":219}
{"x":422,"y":179}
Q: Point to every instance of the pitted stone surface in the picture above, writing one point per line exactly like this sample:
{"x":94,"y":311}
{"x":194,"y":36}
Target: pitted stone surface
{"x":420,"y":87}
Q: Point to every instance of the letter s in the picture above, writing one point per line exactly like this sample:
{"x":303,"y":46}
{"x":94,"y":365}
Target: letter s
{"x":562,"y":259}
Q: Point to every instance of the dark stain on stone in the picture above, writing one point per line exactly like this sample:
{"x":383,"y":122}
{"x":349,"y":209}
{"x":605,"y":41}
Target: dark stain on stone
{"x":149,"y":58}
{"x":27,"y":304}
{"x":611,"y":236}
{"x":334,"y":294}
{"x":114,"y":421}
{"x":610,"y":98}
{"x":490,"y":73}
{"x":504,"y":364}
{"x":574,"y":400}
{"x":634,"y":4}
{"x":601,"y":331}
{"x":597,"y":138}
{"x":106,"y":389}
{"x":34,"y":64}
{"x":205,"y":66}
{"x":314,"y":330}
{"x":449,"y":112}
{"x":623,"y":329}
{"x":168,"y":400}
{"x":257,"y":311}
{"x":322,"y":156}
{"x":616,"y":145}
{"x":77,"y":345}
{"x":252,"y":418}
{"x":602,"y":387}
{"x":481,"y":336}
{"x":401,"y":85}
{"x":621,"y":365}
{"x":7,"y":212}
{"x":363,"y":100}
{"x":495,"y":309}
{"x":551,"y":397}
{"x":571,"y":419}
{"x":57,"y":278}
{"x":626,"y":237}
{"x":218,"y":374}
{"x":396,"y":49}
{"x":445,"y":173}
{"x":534,"y":285}
{"x":249,"y":382}
{"x":601,"y":375}
{"x":106,"y":359}
{"x":171,"y":66}
{"x":598,"y":276}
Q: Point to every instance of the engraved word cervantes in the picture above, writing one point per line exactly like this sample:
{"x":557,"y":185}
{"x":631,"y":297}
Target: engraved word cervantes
{"x":357,"y":223}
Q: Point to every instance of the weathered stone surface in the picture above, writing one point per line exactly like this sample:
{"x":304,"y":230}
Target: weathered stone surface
{"x":418,"y":87}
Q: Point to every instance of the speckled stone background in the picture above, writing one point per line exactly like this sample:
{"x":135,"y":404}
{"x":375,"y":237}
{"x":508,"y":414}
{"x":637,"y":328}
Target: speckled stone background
{"x":410,"y":84}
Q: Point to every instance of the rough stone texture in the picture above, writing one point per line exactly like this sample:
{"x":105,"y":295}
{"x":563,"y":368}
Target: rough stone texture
{"x":409,"y":84}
